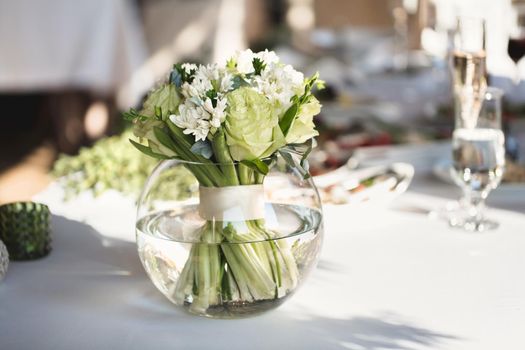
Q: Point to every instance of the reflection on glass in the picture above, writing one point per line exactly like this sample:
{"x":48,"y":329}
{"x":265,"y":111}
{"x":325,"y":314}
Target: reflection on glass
{"x":478,"y":161}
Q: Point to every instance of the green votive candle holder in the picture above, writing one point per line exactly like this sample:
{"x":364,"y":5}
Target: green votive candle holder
{"x":25,"y":230}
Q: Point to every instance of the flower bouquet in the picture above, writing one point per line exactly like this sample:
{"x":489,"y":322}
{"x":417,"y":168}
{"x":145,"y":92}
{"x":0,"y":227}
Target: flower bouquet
{"x":229,"y":125}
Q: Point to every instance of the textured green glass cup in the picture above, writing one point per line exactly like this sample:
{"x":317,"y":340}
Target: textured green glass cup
{"x":25,"y":230}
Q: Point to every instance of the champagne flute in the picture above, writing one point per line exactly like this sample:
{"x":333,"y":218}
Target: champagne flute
{"x":400,"y":18}
{"x":478,"y":154}
{"x":469,"y":70}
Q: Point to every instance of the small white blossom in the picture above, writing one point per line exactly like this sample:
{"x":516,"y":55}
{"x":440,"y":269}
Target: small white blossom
{"x":226,"y":83}
{"x":196,"y":89}
{"x":207,"y":73}
{"x":219,"y":114}
{"x":188,"y":67}
{"x":244,"y":61}
{"x":279,"y":84}
{"x":200,"y":132}
{"x":295,"y":78}
{"x":189,"y":90}
{"x":208,"y":105}
{"x":193,"y":120}
{"x":268,"y":57}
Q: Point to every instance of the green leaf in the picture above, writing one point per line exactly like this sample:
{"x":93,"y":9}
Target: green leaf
{"x":132,"y":115}
{"x":158,"y":112}
{"x":300,"y":148}
{"x":287,"y":120}
{"x":306,"y":166}
{"x":147,"y":151}
{"x":295,"y":164}
{"x":178,"y":75}
{"x":258,"y":65}
{"x":308,"y":85}
{"x":230,"y":64}
{"x":238,"y":81}
{"x":257,"y":165}
{"x":212,"y":95}
{"x":202,"y":148}
{"x":309,"y":144}
{"x":164,"y":139}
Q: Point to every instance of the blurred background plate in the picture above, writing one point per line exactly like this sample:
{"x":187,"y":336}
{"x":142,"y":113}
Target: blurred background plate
{"x":376,"y":185}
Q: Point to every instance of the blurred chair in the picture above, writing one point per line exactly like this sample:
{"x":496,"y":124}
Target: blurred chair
{"x":76,"y":53}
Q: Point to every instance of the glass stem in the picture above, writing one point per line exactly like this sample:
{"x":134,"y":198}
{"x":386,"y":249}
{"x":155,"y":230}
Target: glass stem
{"x":517,"y":75}
{"x":475,"y":202}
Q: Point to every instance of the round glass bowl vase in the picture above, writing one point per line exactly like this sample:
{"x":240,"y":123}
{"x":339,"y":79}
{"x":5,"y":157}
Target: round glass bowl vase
{"x":229,"y":250}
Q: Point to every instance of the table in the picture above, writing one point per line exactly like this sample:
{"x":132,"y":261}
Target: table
{"x":388,"y":278}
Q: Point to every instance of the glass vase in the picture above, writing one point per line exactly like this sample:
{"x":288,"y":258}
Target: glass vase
{"x":228,"y":251}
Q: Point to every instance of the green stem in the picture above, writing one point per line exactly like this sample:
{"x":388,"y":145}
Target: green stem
{"x":222,"y":155}
{"x":238,"y":272}
{"x":183,"y":149}
{"x":259,"y":178}
{"x":201,"y":302}
{"x":222,"y":268}
{"x":245,"y":174}
{"x":185,"y":283}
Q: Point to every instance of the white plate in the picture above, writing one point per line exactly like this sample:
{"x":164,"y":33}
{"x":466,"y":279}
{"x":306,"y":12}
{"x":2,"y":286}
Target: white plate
{"x":332,"y":185}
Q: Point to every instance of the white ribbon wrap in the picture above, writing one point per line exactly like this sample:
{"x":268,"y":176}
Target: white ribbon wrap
{"x":232,"y":203}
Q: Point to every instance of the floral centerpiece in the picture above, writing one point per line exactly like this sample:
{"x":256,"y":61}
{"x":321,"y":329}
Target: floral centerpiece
{"x":229,"y":124}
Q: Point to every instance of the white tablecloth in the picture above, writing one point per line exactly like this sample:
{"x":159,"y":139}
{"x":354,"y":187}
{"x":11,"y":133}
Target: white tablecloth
{"x":388,"y":279}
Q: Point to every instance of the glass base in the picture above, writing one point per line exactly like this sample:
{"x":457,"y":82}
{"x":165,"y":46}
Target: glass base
{"x":457,"y":216}
{"x":472,"y":225}
{"x":238,"y":309}
{"x":445,"y":212}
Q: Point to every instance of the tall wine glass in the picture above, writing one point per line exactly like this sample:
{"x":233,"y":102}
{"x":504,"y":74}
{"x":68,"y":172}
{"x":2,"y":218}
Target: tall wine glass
{"x":469,"y":69}
{"x":478,"y":154}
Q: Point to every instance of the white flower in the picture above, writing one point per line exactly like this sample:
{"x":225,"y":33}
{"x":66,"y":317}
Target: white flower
{"x":189,"y":91}
{"x":188,"y":67}
{"x":279,"y":84}
{"x":217,"y":113}
{"x":244,"y":61}
{"x":196,"y":89}
{"x":193,"y":120}
{"x":295,"y":78}
{"x":207,"y":73}
{"x":197,"y":115}
{"x":226,"y":83}
{"x":183,"y":120}
{"x":208,"y":105}
{"x":268,"y":57}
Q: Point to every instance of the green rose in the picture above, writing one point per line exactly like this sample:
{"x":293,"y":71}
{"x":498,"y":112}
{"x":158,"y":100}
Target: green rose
{"x":252,"y":126}
{"x":164,"y":97}
{"x":303,"y":127}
